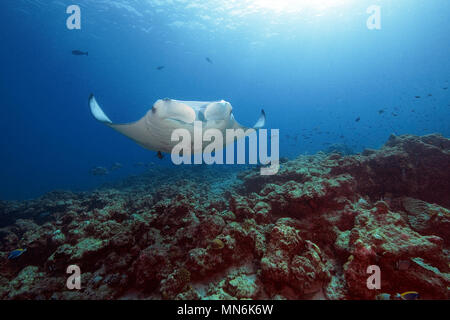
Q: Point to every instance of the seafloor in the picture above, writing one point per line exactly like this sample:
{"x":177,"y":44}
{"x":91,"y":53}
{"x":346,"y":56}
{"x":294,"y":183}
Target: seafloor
{"x":309,"y":232}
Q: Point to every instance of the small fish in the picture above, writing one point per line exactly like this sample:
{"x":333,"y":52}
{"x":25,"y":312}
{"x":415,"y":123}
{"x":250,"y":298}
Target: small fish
{"x":99,"y":171}
{"x":139,"y":164}
{"x":394,"y":114}
{"x":209,"y":60}
{"x":445,"y":88}
{"x":417,"y":97}
{"x":80,"y":53}
{"x":402,"y":265}
{"x":160,"y":68}
{"x":409,"y":295}
{"x":430,"y":95}
{"x":357,"y":119}
{"x":381,"y":111}
{"x":284,"y":159}
{"x":45,"y":214}
{"x":383,"y":296}
{"x":160,"y":155}
{"x":116,"y":166}
{"x":16,"y":253}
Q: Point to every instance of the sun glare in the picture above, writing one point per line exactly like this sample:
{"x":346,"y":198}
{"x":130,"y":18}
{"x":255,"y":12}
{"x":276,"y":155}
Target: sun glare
{"x":292,"y":6}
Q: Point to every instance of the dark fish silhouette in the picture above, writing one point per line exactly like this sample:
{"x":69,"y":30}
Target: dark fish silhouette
{"x":357,"y":119}
{"x":99,"y":171}
{"x":160,"y":155}
{"x":139,"y":164}
{"x":380,"y":111}
{"x":160,"y":68}
{"x":116,"y":166}
{"x":417,"y":97}
{"x":209,"y":60}
{"x":80,"y":53}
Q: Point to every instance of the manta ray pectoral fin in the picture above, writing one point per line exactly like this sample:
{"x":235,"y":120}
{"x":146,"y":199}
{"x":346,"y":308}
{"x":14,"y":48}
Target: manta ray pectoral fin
{"x":244,"y":131}
{"x":136,"y":131}
{"x":258,"y":125}
{"x":261,"y":121}
{"x":97,"y":112}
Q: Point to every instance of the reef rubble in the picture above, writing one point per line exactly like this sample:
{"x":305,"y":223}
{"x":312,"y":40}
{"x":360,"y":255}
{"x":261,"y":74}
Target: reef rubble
{"x":309,"y":232}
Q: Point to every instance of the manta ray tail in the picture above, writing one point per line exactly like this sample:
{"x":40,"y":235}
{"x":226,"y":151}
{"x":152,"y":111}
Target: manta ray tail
{"x":97,"y":112}
{"x":261,"y":121}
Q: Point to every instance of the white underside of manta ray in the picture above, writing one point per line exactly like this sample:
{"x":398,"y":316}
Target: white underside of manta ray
{"x":154,"y":130}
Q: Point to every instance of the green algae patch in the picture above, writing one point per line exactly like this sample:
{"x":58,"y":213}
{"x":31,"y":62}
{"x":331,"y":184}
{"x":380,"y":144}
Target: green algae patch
{"x":25,"y":282}
{"x":86,"y":247}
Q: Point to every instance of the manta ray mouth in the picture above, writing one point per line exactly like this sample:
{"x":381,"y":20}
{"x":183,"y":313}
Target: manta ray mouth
{"x":178,"y":121}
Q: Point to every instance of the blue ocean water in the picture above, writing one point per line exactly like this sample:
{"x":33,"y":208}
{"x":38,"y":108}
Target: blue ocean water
{"x":313,"y":66}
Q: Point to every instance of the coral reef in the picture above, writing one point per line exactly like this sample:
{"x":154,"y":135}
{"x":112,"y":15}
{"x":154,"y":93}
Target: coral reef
{"x":309,"y":232}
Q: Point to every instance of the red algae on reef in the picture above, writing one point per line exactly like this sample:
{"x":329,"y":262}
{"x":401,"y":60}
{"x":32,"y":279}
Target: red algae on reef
{"x":309,"y":232}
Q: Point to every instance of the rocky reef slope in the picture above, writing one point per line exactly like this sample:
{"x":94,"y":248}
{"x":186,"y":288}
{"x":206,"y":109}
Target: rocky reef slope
{"x":309,"y":232}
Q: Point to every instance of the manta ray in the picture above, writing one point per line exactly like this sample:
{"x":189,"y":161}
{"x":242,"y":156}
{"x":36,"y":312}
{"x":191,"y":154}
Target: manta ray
{"x":154,"y":130}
